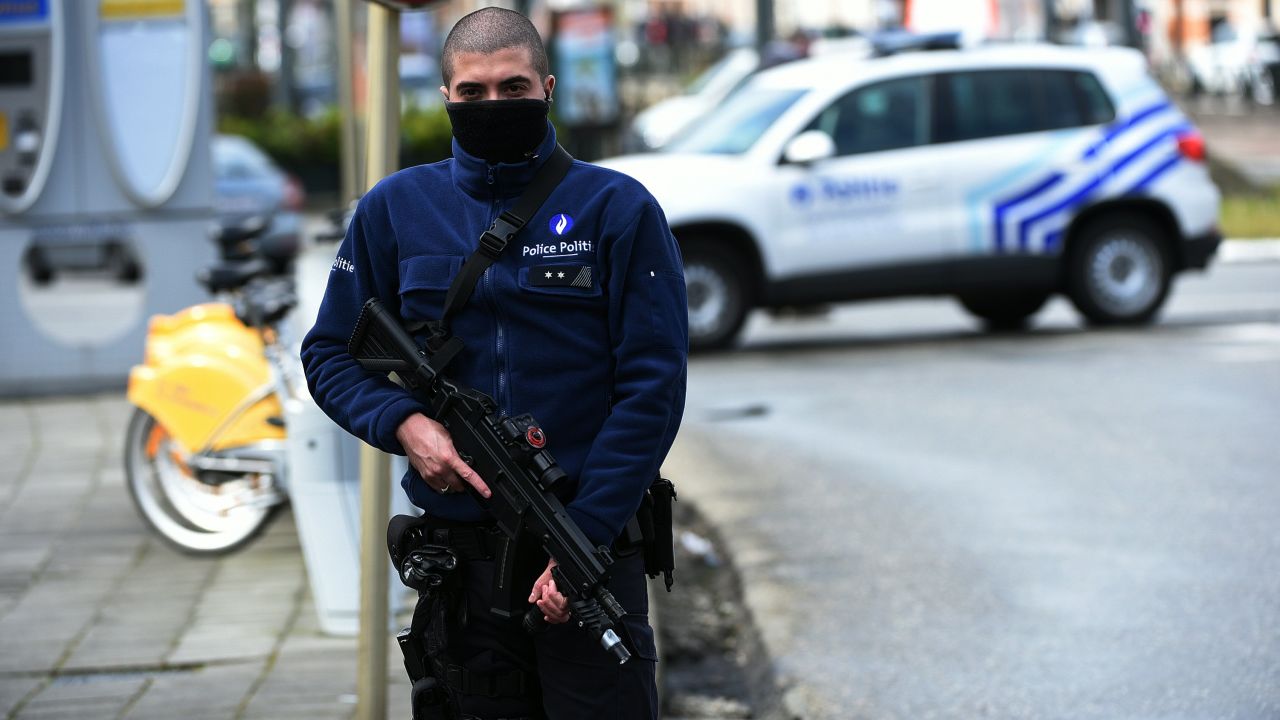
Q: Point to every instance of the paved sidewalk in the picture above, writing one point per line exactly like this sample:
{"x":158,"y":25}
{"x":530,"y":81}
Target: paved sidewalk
{"x":98,"y":619}
{"x":1240,"y":134}
{"x":1249,"y":251}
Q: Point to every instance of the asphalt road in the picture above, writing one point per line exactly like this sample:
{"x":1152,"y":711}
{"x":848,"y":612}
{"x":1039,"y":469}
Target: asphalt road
{"x":1068,"y":523}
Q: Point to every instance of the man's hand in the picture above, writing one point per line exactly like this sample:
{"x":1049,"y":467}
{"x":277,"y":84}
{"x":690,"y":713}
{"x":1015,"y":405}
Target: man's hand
{"x":554,"y":606}
{"x":431,"y":453}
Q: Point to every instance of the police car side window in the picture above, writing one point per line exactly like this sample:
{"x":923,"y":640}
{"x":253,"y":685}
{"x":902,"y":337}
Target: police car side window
{"x":1059,"y":108}
{"x":989,"y":104}
{"x":1094,"y":103}
{"x":994,"y":103}
{"x":885,"y":116}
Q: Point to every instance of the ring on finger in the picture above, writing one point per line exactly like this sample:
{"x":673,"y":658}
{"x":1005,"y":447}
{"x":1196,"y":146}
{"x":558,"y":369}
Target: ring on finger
{"x":444,"y":489}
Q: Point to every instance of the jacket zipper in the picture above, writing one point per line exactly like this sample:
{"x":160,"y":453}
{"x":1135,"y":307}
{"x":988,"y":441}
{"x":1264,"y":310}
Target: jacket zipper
{"x":502,"y":357}
{"x":499,"y":343}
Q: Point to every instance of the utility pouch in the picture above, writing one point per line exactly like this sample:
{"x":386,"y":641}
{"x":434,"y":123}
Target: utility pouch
{"x":429,"y":700}
{"x":654,"y":518}
{"x":432,"y":570}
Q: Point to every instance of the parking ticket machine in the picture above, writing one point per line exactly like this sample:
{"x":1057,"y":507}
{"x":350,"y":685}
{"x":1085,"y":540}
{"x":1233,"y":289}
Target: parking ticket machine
{"x":31,"y":84}
{"x":106,"y":183}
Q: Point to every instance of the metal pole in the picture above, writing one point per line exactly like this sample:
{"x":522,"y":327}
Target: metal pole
{"x":375,"y":494}
{"x":371,"y":654}
{"x":1129,"y":17}
{"x":348,"y":162}
{"x":287,"y":83}
{"x":382,"y":139}
{"x":1179,"y":37}
{"x":764,"y":25}
{"x":247,"y":23}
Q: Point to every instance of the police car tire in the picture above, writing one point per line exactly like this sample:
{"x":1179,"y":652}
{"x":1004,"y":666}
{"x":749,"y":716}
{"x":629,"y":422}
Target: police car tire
{"x":716,"y":282}
{"x":1003,"y":311}
{"x":1119,"y":270}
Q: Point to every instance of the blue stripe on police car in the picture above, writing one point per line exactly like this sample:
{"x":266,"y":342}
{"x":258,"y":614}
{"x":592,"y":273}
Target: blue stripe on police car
{"x":1084,"y":183}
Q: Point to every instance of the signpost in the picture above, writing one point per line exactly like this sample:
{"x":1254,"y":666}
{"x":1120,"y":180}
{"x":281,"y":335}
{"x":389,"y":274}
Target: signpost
{"x":383,"y":148}
{"x":586,"y":95}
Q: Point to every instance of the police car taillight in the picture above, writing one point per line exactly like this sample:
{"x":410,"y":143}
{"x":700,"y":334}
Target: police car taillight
{"x":1191,"y":145}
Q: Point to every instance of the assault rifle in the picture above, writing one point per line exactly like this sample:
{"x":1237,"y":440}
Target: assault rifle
{"x":510,"y":454}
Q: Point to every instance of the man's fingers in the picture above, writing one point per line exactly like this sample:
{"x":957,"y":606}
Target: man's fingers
{"x":552,"y":603}
{"x":536,"y":592}
{"x":469,"y":476}
{"x":554,"y":596}
{"x":552,"y":613}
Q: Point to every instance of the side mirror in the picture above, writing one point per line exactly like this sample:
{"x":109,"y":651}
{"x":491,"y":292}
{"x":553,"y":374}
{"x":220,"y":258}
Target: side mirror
{"x":809,"y":147}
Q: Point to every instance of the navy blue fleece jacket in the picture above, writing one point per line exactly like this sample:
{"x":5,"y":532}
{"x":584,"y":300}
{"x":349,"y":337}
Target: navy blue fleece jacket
{"x":582,"y":322}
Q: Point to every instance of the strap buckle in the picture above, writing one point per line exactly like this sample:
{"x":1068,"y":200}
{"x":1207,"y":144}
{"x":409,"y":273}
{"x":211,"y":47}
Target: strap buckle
{"x":494,"y":240}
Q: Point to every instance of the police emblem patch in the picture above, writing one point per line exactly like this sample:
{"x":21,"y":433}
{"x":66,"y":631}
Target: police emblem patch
{"x":561,"y":224}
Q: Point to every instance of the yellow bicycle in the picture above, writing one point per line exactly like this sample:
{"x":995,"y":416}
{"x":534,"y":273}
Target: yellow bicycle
{"x":205,"y":459}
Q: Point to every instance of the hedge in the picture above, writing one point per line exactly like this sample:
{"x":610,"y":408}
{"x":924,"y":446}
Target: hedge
{"x":308,"y":147}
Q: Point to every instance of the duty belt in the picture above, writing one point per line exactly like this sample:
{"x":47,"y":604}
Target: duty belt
{"x":471,"y":542}
{"x":512,"y":683}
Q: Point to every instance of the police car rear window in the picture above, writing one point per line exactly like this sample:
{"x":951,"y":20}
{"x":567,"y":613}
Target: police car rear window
{"x":1093,"y":99}
{"x":993,"y":103}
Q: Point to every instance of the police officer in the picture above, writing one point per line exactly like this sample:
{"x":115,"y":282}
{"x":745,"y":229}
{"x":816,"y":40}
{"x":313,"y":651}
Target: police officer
{"x":582,"y":321}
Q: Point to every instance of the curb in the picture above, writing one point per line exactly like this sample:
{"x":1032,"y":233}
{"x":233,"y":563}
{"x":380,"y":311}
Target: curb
{"x":773,"y":693}
{"x":1249,"y":251}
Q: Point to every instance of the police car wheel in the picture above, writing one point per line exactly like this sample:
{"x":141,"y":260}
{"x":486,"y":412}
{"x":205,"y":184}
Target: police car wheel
{"x":1003,"y":311}
{"x":1119,"y":270}
{"x":716,"y":286}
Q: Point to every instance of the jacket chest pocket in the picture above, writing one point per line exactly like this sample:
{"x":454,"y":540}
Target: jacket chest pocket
{"x":572,"y":283}
{"x":424,"y":281}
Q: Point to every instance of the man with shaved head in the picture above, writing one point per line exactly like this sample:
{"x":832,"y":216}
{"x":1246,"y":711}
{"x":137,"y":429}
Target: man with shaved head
{"x":581,"y":321}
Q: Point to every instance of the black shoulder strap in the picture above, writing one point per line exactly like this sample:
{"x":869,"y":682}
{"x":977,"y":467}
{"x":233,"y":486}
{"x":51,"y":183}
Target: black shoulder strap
{"x":492,"y":242}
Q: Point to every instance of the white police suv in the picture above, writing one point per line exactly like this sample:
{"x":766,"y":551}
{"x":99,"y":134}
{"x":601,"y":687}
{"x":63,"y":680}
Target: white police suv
{"x":1000,"y":175}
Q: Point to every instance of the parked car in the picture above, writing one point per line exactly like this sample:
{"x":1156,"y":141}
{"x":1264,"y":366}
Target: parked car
{"x":1267,"y":68}
{"x":1093,"y":33}
{"x":251,"y":189}
{"x":1236,"y":63}
{"x":999,"y":175}
{"x":654,"y":126}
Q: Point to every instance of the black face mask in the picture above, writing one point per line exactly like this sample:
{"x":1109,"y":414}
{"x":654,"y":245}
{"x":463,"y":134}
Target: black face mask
{"x":499,"y":130}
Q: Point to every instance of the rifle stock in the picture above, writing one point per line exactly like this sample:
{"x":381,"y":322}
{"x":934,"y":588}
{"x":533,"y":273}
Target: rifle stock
{"x":509,"y":453}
